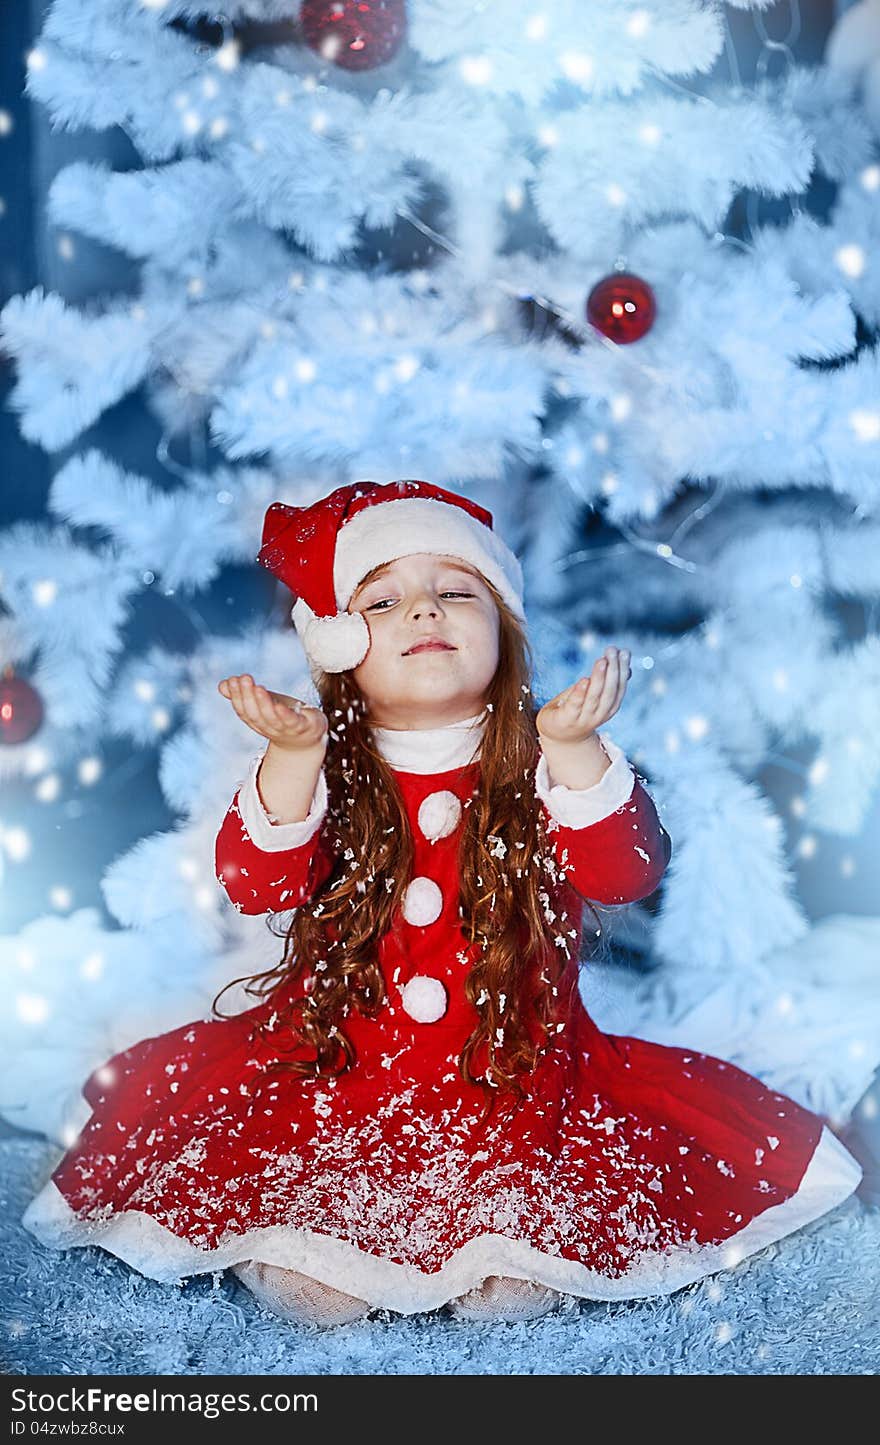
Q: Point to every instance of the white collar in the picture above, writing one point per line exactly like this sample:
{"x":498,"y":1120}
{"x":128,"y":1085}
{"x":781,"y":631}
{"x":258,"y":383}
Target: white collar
{"x":431,"y":750}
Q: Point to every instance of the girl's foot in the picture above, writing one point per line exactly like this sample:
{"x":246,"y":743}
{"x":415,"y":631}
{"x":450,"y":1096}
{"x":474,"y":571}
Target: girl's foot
{"x":297,"y":1297}
{"x":501,"y":1297}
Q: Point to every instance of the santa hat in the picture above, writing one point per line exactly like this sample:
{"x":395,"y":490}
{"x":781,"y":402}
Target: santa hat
{"x":323,"y":551}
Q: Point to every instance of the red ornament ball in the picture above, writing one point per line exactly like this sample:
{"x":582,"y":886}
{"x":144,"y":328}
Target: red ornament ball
{"x":354,"y":34}
{"x":622,"y":307}
{"x":21,"y":708}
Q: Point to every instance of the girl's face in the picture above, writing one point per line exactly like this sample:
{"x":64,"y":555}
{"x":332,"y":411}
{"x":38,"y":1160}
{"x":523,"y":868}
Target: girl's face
{"x":407,"y":601}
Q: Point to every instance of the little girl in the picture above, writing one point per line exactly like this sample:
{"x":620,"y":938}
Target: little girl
{"x":420,"y":1112}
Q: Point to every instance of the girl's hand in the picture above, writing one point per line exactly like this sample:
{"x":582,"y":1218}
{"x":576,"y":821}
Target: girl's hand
{"x":285,"y":721}
{"x":579,"y":710}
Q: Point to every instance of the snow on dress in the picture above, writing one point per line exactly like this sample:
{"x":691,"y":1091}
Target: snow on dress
{"x":631,"y":1169}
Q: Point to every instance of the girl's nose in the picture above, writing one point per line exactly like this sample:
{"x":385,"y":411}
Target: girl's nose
{"x":425,"y":605}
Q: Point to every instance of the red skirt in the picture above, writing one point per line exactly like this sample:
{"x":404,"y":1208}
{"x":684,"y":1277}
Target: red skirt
{"x":631,"y":1168}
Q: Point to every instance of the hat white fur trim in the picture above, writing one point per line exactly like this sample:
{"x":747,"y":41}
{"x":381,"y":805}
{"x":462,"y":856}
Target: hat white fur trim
{"x":389,"y":530}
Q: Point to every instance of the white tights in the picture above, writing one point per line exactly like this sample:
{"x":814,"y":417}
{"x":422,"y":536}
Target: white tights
{"x":502,"y":1297}
{"x":297,"y":1297}
{"x":302,"y":1300}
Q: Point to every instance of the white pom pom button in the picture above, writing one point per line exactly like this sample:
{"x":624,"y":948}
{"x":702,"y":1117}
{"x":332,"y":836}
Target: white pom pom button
{"x":424,"y":999}
{"x":439,"y":815}
{"x":422,"y":902}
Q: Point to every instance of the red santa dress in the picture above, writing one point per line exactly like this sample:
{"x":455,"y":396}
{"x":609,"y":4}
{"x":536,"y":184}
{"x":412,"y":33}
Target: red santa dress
{"x":631,"y":1169}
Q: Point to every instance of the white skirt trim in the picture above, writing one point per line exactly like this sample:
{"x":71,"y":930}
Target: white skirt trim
{"x":154,"y":1251}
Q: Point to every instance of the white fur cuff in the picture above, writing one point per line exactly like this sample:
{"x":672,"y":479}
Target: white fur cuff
{"x":271,"y":836}
{"x":579,"y":807}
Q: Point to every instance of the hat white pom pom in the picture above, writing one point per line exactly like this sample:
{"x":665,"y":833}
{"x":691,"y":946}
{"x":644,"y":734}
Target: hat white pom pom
{"x":332,"y":643}
{"x":424,"y":999}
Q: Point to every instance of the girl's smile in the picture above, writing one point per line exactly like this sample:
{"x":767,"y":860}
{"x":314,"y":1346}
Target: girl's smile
{"x":430,"y":644}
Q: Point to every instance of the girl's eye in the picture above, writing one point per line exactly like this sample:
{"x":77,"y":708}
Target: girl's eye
{"x":373,"y":605}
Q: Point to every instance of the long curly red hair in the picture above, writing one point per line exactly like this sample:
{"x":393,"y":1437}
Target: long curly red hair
{"x":509,"y":885}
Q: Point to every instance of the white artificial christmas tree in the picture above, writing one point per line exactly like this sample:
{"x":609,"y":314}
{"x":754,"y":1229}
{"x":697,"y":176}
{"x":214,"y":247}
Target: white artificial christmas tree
{"x":699,"y":494}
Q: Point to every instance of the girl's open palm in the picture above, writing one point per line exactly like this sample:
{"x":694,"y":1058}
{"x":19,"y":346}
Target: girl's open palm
{"x":579,"y":710}
{"x":285,"y":721}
